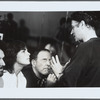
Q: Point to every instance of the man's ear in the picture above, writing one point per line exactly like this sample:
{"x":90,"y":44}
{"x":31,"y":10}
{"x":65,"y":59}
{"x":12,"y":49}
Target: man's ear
{"x":33,"y":62}
{"x":82,"y":23}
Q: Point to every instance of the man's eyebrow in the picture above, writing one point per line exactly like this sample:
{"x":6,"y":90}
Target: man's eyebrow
{"x":44,"y":58}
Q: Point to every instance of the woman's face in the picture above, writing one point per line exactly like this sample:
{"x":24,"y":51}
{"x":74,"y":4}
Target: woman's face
{"x":23,"y":57}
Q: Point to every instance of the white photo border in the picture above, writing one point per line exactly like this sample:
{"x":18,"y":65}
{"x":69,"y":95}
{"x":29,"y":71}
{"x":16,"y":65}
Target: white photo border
{"x":33,"y":6}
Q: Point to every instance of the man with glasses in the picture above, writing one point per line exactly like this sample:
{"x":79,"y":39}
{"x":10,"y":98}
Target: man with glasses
{"x":84,"y":67}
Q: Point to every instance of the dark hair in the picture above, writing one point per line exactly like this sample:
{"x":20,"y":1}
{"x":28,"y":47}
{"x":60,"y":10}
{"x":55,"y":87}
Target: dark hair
{"x":11,"y":53}
{"x":62,"y":20}
{"x":53,"y":42}
{"x":36,"y":52}
{"x":89,"y":19}
{"x":2,"y":46}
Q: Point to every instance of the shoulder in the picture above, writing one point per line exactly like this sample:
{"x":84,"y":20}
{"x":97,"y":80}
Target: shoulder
{"x":7,"y":75}
{"x":27,"y":69}
{"x":90,"y":43}
{"x":86,"y":45}
{"x":9,"y":80}
{"x":28,"y":72}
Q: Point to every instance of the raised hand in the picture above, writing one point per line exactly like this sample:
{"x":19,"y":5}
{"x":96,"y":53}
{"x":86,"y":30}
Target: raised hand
{"x":57,"y":67}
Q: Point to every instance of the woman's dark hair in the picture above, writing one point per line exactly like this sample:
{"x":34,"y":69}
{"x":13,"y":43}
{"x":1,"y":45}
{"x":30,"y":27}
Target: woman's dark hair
{"x":11,"y":52}
{"x":2,"y":46}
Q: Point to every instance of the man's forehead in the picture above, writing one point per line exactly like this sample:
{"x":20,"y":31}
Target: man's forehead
{"x":43,"y":54}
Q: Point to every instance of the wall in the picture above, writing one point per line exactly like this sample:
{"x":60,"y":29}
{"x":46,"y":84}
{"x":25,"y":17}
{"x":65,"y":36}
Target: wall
{"x":39,"y":23}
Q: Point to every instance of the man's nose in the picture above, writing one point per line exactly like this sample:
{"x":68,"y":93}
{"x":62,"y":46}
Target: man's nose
{"x":71,"y":32}
{"x":28,"y":53}
{"x":2,"y":63}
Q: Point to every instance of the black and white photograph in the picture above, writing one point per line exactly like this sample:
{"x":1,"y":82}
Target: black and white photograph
{"x":50,"y":49}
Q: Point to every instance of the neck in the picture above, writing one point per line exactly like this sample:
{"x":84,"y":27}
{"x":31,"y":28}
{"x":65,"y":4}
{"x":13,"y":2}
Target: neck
{"x":17,"y":68}
{"x":89,"y":35}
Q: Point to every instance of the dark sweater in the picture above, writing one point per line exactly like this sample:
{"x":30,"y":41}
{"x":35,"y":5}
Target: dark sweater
{"x":84,"y":68}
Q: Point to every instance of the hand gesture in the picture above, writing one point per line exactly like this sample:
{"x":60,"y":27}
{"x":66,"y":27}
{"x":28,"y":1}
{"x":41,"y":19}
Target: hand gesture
{"x":51,"y":80}
{"x":57,"y":67}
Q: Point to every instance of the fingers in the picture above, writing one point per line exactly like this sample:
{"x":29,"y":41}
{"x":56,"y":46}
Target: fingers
{"x":67,"y":63}
{"x":53,"y":60}
{"x":52,"y":77}
{"x":52,"y":64}
{"x":57,"y":59}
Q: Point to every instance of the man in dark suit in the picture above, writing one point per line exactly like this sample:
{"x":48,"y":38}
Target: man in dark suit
{"x":39,"y":73}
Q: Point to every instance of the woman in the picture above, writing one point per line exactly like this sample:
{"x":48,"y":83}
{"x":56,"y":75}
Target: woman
{"x":16,"y":58}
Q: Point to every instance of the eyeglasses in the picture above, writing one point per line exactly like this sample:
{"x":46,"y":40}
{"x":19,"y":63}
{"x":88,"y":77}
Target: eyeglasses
{"x":77,"y":25}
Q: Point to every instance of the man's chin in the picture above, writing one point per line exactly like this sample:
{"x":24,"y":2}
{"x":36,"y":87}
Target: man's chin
{"x":45,"y":73}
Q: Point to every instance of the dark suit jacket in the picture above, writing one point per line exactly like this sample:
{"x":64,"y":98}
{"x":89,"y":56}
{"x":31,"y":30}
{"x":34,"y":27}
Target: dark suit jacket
{"x":32,"y":79}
